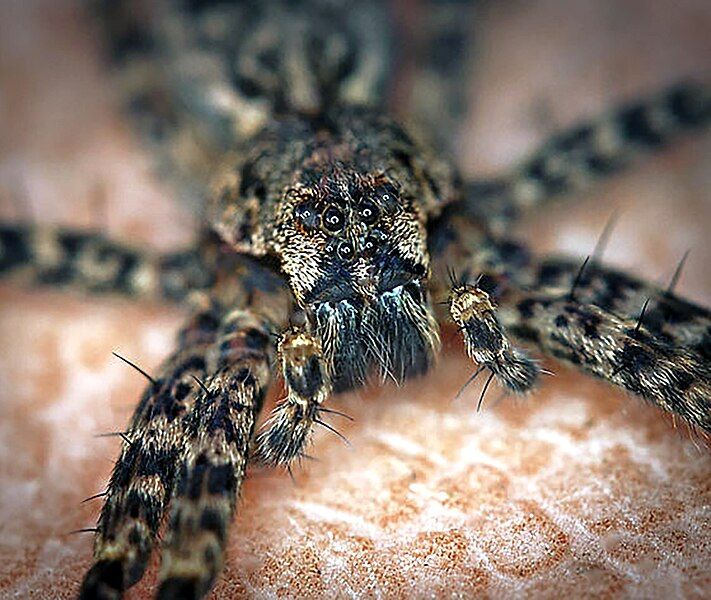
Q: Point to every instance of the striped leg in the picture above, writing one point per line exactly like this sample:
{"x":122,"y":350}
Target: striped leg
{"x":606,"y":323}
{"x":89,"y":262}
{"x":216,"y":433}
{"x":144,"y":475}
{"x":666,"y":315}
{"x":622,"y":350}
{"x":308,"y":384}
{"x":505,"y":263}
{"x":573,"y":159}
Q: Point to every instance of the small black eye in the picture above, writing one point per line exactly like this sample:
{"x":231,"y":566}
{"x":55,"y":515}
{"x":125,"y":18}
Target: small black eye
{"x":306,"y":215}
{"x":369,"y":246}
{"x":387,"y":198}
{"x":368,"y":212}
{"x":345,"y":251}
{"x":333,"y":219}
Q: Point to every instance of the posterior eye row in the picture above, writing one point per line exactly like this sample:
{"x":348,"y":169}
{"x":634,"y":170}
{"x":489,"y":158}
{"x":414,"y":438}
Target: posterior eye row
{"x":333,"y":214}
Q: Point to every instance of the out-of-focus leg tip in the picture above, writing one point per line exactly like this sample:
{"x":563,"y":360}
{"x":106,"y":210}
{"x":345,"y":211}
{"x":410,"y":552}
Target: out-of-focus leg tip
{"x":181,"y":588}
{"x":104,"y":581}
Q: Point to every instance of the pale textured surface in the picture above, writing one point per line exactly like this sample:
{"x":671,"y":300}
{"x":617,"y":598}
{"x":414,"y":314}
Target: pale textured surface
{"x":578,"y":490}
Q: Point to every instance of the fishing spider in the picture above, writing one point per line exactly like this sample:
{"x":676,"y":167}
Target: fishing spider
{"x":336,"y":240}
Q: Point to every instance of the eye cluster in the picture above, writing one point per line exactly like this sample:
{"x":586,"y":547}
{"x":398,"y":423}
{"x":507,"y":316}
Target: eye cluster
{"x":333,"y":216}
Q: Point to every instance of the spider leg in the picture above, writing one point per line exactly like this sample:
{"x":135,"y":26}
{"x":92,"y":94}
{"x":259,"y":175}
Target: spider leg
{"x":216,"y":437}
{"x":195,"y":421}
{"x":308,"y":384}
{"x":144,"y":475}
{"x":487,"y":342}
{"x":667,"y":315}
{"x":91,"y":263}
{"x":503,"y":262}
{"x":612,"y":325}
{"x":619,"y":349}
{"x":573,"y":159}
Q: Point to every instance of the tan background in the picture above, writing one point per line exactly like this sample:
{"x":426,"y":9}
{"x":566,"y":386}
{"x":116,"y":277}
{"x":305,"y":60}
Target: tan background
{"x":577,"y":490}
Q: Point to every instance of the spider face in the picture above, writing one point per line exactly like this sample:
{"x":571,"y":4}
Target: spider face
{"x":345,"y":221}
{"x":349,"y":236}
{"x":355,"y":254}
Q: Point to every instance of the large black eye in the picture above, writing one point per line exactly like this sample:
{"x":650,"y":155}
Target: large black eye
{"x":333,"y":219}
{"x":306,"y":215}
{"x":345,"y":251}
{"x":368,"y":212}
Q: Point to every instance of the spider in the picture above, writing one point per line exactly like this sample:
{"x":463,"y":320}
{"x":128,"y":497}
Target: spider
{"x":332,"y":231}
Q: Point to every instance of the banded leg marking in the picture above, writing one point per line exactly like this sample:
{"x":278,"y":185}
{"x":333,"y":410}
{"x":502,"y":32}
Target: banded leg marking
{"x":143,"y":478}
{"x":507,"y":264}
{"x":217,"y":435}
{"x":89,"y":262}
{"x":622,"y":350}
{"x":288,"y":431}
{"x":591,"y":317}
{"x":573,"y":159}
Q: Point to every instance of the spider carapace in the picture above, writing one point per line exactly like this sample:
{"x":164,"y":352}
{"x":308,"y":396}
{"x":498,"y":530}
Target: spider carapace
{"x":336,"y":239}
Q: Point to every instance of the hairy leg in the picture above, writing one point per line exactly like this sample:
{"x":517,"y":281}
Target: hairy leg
{"x":288,"y":431}
{"x":472,"y":251}
{"x":589,"y":319}
{"x":619,"y":349}
{"x":215,"y":437}
{"x":144,"y":475}
{"x":188,"y":441}
{"x":88,"y":262}
{"x":573,"y":159}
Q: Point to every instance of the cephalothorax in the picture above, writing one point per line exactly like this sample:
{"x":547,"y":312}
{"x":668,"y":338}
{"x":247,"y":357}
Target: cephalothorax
{"x":342,"y":202}
{"x":336,"y":240}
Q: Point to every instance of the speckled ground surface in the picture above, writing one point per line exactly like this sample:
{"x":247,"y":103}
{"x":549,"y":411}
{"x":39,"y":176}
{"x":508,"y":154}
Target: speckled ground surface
{"x":578,"y":490}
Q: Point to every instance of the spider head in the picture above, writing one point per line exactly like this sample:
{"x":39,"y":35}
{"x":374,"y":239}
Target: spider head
{"x":349,"y":236}
{"x":340,"y":201}
{"x":354,"y":250}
